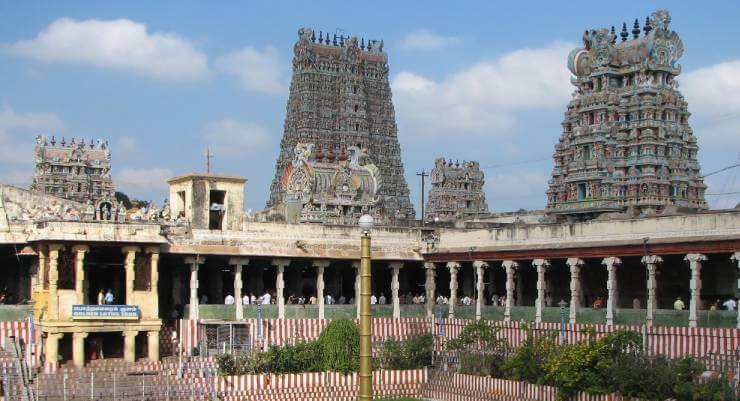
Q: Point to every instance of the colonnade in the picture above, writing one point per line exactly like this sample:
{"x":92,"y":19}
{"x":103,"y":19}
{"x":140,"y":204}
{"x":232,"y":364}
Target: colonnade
{"x":575,"y":265}
{"x":239,"y":264}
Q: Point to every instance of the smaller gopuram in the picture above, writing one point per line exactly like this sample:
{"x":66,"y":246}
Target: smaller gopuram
{"x":77,"y":171}
{"x":457,"y":191}
{"x":626,"y":146}
{"x":335,"y":186}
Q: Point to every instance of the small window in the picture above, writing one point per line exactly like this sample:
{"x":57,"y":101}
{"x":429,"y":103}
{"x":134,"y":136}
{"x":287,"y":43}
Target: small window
{"x":354,"y":90}
{"x":217,"y":209}
{"x":581,"y":189}
{"x":357,"y":108}
{"x":357,"y":127}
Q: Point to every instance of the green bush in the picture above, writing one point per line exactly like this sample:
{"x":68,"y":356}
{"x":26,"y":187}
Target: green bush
{"x":529,"y":360}
{"x":414,"y":353}
{"x":480,"y":349}
{"x":340,"y":346}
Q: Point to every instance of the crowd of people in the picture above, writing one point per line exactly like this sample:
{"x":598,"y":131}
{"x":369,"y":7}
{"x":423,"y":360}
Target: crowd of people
{"x":268,"y":298}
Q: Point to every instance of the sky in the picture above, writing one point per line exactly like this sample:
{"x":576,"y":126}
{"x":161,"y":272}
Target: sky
{"x":486,"y":81}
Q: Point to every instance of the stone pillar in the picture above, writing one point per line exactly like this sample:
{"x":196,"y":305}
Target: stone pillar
{"x":52,"y":348}
{"x":153,"y":253}
{"x":430,"y":287}
{"x":129,"y":345}
{"x":78,"y":349}
{"x":280,"y":264}
{"x":611,"y":286}
{"x":41,"y":250}
{"x":130,"y":259}
{"x":54,"y":282}
{"x":152,"y":338}
{"x":695,"y":260}
{"x":480,"y":268}
{"x":395,"y":268}
{"x":540,"y":265}
{"x":79,"y":251}
{"x":238,"y":264}
{"x":194,"y":262}
{"x":320,"y":265}
{"x":651,"y":263}
{"x":510,"y":267}
{"x":356,"y":266}
{"x":736,"y":257}
{"x":575,"y":287}
{"x":454,"y":267}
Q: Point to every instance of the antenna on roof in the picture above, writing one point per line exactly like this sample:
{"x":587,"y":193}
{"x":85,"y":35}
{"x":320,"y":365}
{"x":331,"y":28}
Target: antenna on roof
{"x":209,"y":156}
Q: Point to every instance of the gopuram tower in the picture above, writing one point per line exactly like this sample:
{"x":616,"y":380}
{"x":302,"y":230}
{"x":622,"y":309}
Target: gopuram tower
{"x":339,"y":156}
{"x":626,"y":145}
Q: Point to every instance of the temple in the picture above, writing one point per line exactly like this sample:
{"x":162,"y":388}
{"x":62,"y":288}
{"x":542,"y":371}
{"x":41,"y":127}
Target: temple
{"x":74,"y":170}
{"x":626,"y":145}
{"x":339,"y":107}
{"x":457,"y":192}
{"x":626,"y":150}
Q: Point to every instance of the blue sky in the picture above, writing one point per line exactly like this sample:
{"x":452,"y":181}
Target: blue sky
{"x":472,"y":80}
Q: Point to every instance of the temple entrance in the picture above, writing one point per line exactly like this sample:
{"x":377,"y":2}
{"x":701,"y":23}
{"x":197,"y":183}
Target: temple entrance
{"x":105,"y":345}
{"x":106,"y":277}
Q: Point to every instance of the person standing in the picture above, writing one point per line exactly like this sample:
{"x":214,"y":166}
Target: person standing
{"x":730,"y":304}
{"x":679,"y":305}
{"x":229,"y":300}
{"x":101,"y":297}
{"x":109,"y":297}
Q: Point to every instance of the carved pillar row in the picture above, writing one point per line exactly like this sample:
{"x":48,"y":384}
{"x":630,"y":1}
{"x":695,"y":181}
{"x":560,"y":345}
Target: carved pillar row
{"x":194,"y":262}
{"x":52,"y":348}
{"x":129,"y":265}
{"x":79,"y":252}
{"x":320,"y":265}
{"x":611,"y":264}
{"x":510,"y":267}
{"x":430,"y":287}
{"x":238,"y":264}
{"x":575,"y":287}
{"x":651,"y":263}
{"x":280,"y":265}
{"x":480,"y":269}
{"x":695,"y":260}
{"x":454,"y":268}
{"x":541,"y":265}
{"x":395,"y":285}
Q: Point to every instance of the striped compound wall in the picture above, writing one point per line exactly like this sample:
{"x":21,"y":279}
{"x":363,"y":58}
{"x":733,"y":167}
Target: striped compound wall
{"x":323,"y":386}
{"x":673,"y":342}
{"x":459,"y":387}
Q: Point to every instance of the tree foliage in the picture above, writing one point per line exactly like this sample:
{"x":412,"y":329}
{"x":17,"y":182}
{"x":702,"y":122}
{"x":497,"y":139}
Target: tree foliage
{"x":340,"y":346}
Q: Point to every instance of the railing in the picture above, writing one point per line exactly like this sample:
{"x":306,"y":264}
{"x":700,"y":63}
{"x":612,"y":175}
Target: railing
{"x":661,"y":317}
{"x":14,"y":312}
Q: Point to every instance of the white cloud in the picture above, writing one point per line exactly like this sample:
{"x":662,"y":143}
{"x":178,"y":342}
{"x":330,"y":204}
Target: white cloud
{"x":228,"y":137}
{"x":119,"y":44}
{"x":131,"y":180}
{"x":126,"y":144}
{"x":483,"y":99}
{"x":17,"y":130}
{"x":258,"y":71}
{"x":713,"y":90}
{"x":425,"y":40}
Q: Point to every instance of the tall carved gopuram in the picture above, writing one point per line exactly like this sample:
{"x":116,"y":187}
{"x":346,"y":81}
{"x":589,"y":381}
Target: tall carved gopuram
{"x":626,"y":144}
{"x":339,"y":104}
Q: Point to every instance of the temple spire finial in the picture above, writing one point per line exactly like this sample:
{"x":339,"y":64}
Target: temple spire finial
{"x":624,"y":34}
{"x":614,"y":35}
{"x":647,"y":28}
{"x":636,"y":29}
